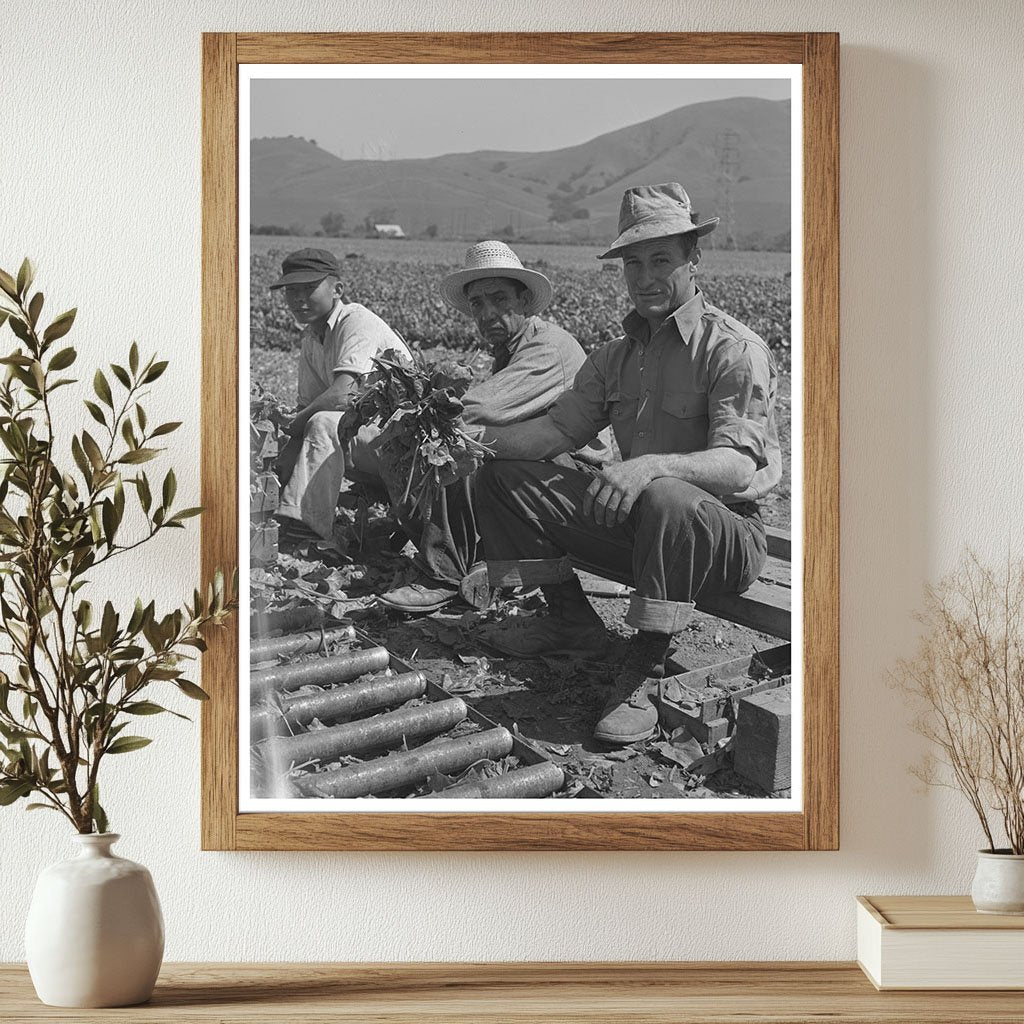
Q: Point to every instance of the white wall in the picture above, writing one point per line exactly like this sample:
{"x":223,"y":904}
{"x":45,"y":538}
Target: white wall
{"x":100,"y":183}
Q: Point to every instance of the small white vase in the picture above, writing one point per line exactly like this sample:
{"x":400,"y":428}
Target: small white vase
{"x":95,"y":934}
{"x":999,"y":883}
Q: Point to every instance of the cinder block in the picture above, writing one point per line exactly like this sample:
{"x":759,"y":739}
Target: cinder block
{"x":762,"y":744}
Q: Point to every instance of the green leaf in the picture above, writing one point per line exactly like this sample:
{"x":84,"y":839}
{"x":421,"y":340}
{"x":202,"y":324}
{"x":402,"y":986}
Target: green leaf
{"x":26,"y":275}
{"x":8,"y":285}
{"x":185,"y":513}
{"x":41,"y":807}
{"x":126,"y":744}
{"x":109,"y":518}
{"x":170,"y":488}
{"x":154,"y":372}
{"x":95,"y":412}
{"x":138,"y":455}
{"x":14,"y":790}
{"x":128,"y":433}
{"x":108,"y":625}
{"x":145,"y":497}
{"x":121,"y":374}
{"x":191,"y":690}
{"x":92,"y":449}
{"x":133,"y":358}
{"x":63,"y":359}
{"x":140,"y":416}
{"x":144,"y":707}
{"x":60,"y":326}
{"x":99,"y":816}
{"x":84,"y":614}
{"x":102,"y":388}
{"x":20,"y":328}
{"x":166,"y":428}
{"x":35,"y":307}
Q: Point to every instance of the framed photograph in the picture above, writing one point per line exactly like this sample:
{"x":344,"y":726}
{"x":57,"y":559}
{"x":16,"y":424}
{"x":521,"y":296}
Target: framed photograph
{"x":520,"y":418}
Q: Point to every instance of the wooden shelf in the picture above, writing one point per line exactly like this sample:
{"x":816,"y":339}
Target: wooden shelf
{"x":523,"y":993}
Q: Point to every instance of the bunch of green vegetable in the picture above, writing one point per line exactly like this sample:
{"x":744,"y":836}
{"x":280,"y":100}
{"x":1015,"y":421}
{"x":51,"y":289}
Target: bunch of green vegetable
{"x":423,"y":444}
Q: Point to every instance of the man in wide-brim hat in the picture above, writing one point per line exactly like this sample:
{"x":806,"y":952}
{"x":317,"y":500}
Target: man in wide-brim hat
{"x":533,"y":362}
{"x":690,"y":395}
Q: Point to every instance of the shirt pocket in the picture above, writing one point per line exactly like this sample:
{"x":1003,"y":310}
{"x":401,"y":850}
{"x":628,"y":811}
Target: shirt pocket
{"x":683,"y":405}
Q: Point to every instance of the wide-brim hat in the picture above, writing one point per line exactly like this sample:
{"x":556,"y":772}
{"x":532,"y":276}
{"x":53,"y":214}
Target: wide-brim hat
{"x":495,"y":259}
{"x":307,"y":266}
{"x":655,"y":211}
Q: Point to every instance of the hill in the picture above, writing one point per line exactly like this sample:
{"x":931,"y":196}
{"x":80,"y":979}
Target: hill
{"x":565,"y":194}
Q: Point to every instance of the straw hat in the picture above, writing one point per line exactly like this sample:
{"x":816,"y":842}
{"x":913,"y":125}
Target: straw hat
{"x":495,"y":259}
{"x":655,"y":211}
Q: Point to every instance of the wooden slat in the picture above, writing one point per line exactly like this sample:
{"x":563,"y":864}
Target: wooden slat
{"x":522,"y":993}
{"x":763,"y":607}
{"x":219,"y":430}
{"x":520,"y":48}
{"x":821,"y":440}
{"x":779,"y":545}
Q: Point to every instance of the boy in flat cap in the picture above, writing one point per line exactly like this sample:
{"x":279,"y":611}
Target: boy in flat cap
{"x":338,"y":344}
{"x":690,"y":394}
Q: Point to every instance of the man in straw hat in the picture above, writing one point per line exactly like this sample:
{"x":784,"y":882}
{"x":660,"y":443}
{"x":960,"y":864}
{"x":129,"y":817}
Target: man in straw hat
{"x":534,"y":361}
{"x":690,"y":395}
{"x":337,"y":346}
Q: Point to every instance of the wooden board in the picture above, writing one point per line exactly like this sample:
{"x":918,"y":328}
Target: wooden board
{"x":524,"y":993}
{"x":764,"y":607}
{"x":942,"y":912}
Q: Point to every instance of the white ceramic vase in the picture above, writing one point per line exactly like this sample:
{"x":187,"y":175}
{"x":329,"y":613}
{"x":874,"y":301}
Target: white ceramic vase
{"x":95,"y":934}
{"x":999,"y":882}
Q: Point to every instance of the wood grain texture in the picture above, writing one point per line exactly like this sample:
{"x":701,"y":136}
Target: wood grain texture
{"x":521,"y":48}
{"x":219,"y":429}
{"x":817,"y":827}
{"x":821,"y":440}
{"x":936,"y":912}
{"x":524,"y":993}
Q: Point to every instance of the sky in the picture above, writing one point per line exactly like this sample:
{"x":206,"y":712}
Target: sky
{"x":384,"y":119}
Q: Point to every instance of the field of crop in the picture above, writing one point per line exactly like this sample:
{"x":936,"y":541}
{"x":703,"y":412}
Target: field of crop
{"x":399,"y":280}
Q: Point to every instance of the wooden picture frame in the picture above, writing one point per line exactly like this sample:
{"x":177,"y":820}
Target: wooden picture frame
{"x":816,"y":826}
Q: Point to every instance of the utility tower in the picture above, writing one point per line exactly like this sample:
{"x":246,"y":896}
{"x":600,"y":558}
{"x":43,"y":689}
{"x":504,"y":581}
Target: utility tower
{"x":727,"y":152}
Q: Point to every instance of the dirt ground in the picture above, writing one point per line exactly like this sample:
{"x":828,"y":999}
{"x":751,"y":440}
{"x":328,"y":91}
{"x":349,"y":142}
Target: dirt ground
{"x":552,"y":703}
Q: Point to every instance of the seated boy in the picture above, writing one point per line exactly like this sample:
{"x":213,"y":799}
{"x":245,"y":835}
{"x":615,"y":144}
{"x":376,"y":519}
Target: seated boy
{"x":338,"y":344}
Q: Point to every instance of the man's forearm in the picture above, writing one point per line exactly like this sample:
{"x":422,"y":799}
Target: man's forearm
{"x":717,"y":470}
{"x":336,"y":398}
{"x":535,"y":439}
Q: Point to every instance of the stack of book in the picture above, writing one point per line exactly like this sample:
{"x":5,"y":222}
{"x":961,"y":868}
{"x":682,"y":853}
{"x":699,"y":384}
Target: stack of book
{"x":938,"y":942}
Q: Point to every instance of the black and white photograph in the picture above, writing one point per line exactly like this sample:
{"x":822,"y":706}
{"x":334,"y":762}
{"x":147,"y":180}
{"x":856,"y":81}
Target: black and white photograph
{"x":523,"y":349}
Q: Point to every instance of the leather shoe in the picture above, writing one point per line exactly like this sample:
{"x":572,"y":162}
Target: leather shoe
{"x":420,"y":597}
{"x":630,"y":720}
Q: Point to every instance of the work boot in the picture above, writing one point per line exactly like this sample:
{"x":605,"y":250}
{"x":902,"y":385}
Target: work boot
{"x":631,"y":713}
{"x":571,"y":627}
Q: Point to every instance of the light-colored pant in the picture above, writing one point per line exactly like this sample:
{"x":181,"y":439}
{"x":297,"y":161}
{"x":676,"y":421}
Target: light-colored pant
{"x":313,"y":467}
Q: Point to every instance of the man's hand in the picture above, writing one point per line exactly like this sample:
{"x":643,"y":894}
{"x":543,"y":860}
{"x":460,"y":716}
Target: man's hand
{"x":613,"y":492}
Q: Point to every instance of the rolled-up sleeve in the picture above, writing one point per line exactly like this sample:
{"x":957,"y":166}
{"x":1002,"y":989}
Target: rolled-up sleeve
{"x":581,"y":413}
{"x":740,"y":396}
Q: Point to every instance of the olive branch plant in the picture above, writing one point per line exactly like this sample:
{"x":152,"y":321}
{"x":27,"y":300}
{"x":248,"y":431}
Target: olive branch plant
{"x":966,"y":681}
{"x":80,"y":674}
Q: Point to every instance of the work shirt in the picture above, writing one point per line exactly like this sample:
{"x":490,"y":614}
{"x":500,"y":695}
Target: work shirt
{"x":528,"y":373}
{"x":703,"y":380}
{"x":352,"y":337}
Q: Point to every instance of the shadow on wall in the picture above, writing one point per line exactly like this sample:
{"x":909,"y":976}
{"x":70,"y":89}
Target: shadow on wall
{"x":888,"y":317}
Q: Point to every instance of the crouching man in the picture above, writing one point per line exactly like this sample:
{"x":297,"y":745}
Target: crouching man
{"x":336,"y":350}
{"x":690,"y":395}
{"x":533,"y":362}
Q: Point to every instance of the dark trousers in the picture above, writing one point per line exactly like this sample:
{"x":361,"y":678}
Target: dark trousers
{"x":679,"y":544}
{"x":446,"y":538}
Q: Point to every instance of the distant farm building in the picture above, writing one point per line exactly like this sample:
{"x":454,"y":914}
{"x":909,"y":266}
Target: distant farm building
{"x":389,"y":230}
